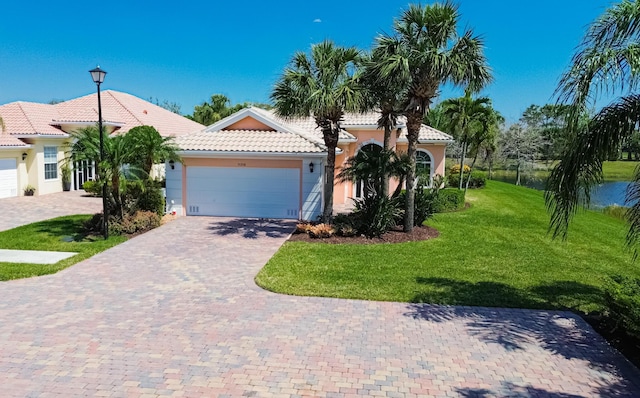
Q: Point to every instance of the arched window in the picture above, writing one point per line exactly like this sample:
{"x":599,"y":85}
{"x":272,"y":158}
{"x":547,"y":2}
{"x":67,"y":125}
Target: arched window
{"x":361,"y":188}
{"x":424,"y":166}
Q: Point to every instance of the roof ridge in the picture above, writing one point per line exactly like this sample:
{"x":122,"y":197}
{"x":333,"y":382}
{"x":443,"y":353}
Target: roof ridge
{"x":110,"y":92}
{"x":27,"y":117}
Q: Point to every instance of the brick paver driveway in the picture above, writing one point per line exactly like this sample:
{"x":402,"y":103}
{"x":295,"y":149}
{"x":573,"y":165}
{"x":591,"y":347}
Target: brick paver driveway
{"x":175,"y":312}
{"x":22,"y":210}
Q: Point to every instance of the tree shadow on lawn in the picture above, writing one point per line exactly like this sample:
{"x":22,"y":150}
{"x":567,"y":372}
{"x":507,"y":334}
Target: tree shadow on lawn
{"x":251,"y":228}
{"x":72,"y":228}
{"x":560,"y":332}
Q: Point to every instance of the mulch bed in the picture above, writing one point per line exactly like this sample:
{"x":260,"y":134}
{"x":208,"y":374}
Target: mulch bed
{"x":393,"y":236}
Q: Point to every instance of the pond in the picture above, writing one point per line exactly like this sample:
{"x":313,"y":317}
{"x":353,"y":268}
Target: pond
{"x":606,"y":194}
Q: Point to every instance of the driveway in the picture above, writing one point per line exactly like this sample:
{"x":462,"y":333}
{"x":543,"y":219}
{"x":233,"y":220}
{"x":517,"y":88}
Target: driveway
{"x":21,"y":210}
{"x":175,"y":312}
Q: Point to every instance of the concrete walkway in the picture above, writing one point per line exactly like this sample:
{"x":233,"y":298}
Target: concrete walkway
{"x":175,"y":312}
{"x":22,"y":210}
{"x":33,"y":256}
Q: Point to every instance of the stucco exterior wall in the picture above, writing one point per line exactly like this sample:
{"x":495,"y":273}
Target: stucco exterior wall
{"x":21,"y":166}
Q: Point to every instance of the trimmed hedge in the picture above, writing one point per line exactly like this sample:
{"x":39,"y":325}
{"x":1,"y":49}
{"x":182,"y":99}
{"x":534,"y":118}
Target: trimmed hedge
{"x":478,"y":180}
{"x":450,"y":199}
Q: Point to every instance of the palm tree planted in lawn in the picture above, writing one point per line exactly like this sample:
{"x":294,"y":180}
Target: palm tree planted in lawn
{"x":425,"y":52}
{"x":324,"y":84}
{"x":469,"y":120}
{"x":606,"y":62}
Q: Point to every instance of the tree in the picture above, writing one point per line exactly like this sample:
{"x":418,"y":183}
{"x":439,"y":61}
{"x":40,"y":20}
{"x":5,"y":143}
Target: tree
{"x":468,"y":120}
{"x":385,"y":95}
{"x":607,"y":61}
{"x":170,"y":106}
{"x":521,"y":145}
{"x":374,"y":168}
{"x":425,"y":52}
{"x":550,"y":122}
{"x":324,"y":85}
{"x":220,"y":107}
{"x":150,"y":147}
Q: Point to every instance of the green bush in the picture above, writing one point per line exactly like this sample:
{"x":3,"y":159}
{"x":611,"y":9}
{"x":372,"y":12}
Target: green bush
{"x":450,"y":199}
{"x":622,"y":297}
{"x":344,"y":225}
{"x":92,"y":187}
{"x":478,"y":180}
{"x":141,"y":221}
{"x":374,"y":215}
{"x":144,"y":195}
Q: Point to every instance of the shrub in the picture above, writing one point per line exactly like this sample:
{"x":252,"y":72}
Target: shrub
{"x":619,"y":212}
{"x":477,"y":180}
{"x":151,"y":198}
{"x":303,"y":227}
{"x":92,"y":187}
{"x":374,"y":215}
{"x":140,"y":221}
{"x":455,"y":169}
{"x":622,"y":297}
{"x":344,"y":225}
{"x":321,"y":231}
{"x":450,"y":199}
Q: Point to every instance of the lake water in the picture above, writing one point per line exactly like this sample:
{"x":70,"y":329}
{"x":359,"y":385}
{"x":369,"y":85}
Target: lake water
{"x":605,"y":194}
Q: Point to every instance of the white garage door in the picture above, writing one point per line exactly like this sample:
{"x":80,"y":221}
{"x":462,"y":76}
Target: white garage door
{"x":8,"y":178}
{"x":243,"y":192}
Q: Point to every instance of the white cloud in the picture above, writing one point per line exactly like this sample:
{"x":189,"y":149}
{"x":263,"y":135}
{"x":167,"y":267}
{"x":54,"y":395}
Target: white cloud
{"x":317,"y":20}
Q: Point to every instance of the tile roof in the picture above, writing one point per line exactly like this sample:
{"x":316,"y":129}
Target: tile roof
{"x":121,"y":109}
{"x":248,"y":141}
{"x":10,"y":141}
{"x":129,"y":110}
{"x":30,"y":118}
{"x":427,"y":134}
{"x":304,"y":124}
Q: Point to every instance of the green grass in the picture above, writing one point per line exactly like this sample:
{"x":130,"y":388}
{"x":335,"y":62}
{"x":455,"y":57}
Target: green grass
{"x":57,"y":234}
{"x":496,"y":253}
{"x":619,"y":171}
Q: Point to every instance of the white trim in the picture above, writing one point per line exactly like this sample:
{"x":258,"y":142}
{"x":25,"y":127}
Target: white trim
{"x":403,"y":140}
{"x":256,"y":155}
{"x":243,"y":113}
{"x":431,"y":164}
{"x":369,"y":141}
{"x":13,"y":148}
{"x":37,"y":135}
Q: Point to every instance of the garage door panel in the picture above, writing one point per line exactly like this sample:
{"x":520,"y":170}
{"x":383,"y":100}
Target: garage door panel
{"x":8,"y":178}
{"x":243,"y":192}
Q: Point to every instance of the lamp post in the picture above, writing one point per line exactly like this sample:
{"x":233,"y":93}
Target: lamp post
{"x":97,"y":75}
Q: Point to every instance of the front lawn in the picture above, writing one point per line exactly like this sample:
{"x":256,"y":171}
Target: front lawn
{"x":57,"y":234}
{"x":496,"y":253}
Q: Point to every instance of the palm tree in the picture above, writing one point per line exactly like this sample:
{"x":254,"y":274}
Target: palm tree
{"x":374,"y":168}
{"x":324,"y":85}
{"x":385,"y":96}
{"x":468,"y":120}
{"x":150,"y":147}
{"x":606,"y":61}
{"x":426,"y":52}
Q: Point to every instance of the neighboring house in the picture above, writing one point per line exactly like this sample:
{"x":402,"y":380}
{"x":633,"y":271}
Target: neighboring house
{"x":255,"y":164}
{"x":36,"y":136}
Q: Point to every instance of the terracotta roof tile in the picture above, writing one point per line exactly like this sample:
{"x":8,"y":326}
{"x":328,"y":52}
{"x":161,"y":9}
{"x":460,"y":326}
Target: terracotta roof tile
{"x":29,"y":118}
{"x":248,"y":141}
{"x":427,"y":134}
{"x":128,"y":110}
{"x":7,"y":140}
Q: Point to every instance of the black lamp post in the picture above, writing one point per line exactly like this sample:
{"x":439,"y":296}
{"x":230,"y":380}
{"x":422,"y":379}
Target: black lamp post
{"x":97,"y":75}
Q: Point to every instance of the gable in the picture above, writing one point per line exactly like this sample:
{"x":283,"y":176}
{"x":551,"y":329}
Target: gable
{"x":248,"y":123}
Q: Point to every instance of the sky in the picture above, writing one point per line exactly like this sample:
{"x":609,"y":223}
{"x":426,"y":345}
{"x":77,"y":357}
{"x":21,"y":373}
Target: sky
{"x":184,"y":52}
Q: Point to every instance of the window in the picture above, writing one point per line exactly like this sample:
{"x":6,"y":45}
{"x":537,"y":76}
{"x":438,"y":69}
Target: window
{"x":423,"y":165}
{"x":50,"y":162}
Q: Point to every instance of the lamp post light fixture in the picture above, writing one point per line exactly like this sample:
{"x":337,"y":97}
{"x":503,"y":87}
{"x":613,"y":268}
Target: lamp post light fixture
{"x":97,"y":75}
{"x":311,"y":165}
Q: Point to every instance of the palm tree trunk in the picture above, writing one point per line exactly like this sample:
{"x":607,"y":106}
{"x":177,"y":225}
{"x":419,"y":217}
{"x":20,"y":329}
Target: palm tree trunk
{"x":464,"y":154}
{"x":466,"y":186}
{"x":414,"y":121}
{"x":330,"y":134}
{"x":385,"y":177}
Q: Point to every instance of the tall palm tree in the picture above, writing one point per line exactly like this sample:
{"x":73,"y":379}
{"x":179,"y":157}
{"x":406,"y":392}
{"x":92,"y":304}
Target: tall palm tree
{"x":150,"y":147}
{"x":469,"y":120}
{"x":385,"y":96}
{"x":324,"y":85}
{"x":425,"y":52}
{"x":606,"y":62}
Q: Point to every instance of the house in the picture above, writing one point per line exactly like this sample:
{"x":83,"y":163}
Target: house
{"x":35,"y":136}
{"x":256,"y":164}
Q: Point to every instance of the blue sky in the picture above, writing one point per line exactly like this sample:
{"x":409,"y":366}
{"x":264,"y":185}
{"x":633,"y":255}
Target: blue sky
{"x":184,"y":52}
